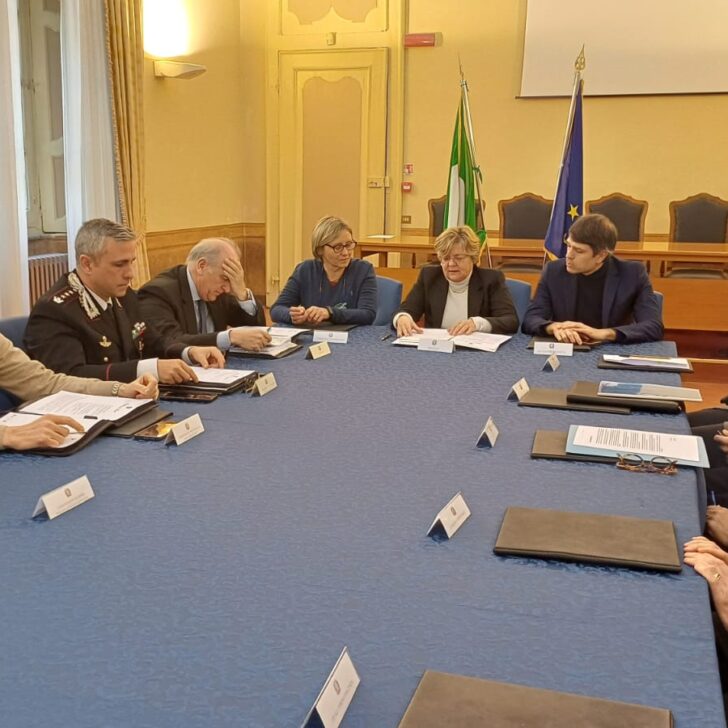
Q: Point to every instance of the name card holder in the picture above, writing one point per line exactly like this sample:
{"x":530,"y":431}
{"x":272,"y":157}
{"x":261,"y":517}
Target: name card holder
{"x":333,"y":337}
{"x":444,"y":346}
{"x":518,"y":390}
{"x":449,"y":519}
{"x":489,"y":435}
{"x":551,"y":364}
{"x":263,"y":385}
{"x":336,"y":695}
{"x":553,"y":347}
{"x":316,"y":351}
{"x":61,"y":500}
{"x":185,"y":430}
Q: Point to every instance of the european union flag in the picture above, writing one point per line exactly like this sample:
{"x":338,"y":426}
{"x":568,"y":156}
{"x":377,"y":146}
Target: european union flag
{"x":569,"y":202}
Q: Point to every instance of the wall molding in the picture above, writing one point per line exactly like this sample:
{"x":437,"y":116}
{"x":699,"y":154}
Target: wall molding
{"x":167,"y":248}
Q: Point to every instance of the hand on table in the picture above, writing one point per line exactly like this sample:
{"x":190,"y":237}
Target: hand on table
{"x":206,"y":357}
{"x":406,"y":326}
{"x":175,"y":371}
{"x":249,"y":338}
{"x":144,"y":387}
{"x":462,"y":327}
{"x":48,"y":431}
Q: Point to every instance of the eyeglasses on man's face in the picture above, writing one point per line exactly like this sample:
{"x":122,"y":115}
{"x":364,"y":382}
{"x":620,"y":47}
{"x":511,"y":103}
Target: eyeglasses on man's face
{"x":341,"y":247}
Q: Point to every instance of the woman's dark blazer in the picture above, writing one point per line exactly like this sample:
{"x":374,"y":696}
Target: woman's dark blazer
{"x":488,"y":296}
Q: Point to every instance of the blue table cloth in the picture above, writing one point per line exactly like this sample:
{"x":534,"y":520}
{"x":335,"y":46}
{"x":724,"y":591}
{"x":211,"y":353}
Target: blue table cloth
{"x":215,"y":584}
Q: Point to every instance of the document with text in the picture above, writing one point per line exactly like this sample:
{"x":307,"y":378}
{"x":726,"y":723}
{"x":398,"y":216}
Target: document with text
{"x":89,"y":406}
{"x":587,"y":440}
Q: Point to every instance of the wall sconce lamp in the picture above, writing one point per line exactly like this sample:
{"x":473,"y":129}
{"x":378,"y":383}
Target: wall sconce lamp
{"x":175,"y":69}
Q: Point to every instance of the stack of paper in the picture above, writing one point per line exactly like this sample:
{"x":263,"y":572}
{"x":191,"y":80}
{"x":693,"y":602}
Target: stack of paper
{"x":670,"y":363}
{"x":648,"y":391}
{"x":479,"y":341}
{"x":614,"y":441}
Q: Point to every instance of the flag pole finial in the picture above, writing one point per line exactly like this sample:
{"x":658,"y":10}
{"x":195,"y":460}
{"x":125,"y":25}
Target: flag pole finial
{"x":463,"y":82}
{"x":580,"y":62}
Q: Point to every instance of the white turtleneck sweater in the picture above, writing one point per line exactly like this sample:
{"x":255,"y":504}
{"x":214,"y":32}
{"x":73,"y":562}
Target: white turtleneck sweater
{"x":456,"y":308}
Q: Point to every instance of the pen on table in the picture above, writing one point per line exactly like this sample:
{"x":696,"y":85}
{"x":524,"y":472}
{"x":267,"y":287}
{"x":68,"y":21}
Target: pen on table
{"x":385,"y":337}
{"x":712,"y":497}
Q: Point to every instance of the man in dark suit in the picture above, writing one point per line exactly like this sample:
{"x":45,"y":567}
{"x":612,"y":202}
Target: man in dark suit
{"x":206,"y":301}
{"x":89,"y":323}
{"x":592,"y":296}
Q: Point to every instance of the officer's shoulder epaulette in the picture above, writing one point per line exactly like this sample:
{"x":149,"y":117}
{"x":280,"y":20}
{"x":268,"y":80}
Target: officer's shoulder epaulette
{"x":65,"y":295}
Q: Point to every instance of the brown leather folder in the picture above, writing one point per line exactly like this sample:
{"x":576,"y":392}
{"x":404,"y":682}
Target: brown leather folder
{"x":592,"y":538}
{"x":442,"y":700}
{"x":558,"y":399}
{"x":552,"y":444}
{"x":586,"y":392}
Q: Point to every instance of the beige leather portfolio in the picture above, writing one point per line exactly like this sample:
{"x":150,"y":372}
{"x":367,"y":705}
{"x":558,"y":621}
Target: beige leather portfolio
{"x":454,"y":701}
{"x":592,"y":538}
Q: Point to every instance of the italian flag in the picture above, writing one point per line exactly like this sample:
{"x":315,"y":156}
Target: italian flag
{"x":462,"y":204}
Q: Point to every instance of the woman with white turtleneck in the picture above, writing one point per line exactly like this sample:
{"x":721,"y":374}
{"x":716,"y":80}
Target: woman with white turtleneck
{"x":457,"y":295}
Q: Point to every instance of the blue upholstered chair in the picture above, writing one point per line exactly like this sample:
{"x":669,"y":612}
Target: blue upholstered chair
{"x":389,"y":296}
{"x":12,"y":328}
{"x":521,"y":295}
{"x":660,"y":299}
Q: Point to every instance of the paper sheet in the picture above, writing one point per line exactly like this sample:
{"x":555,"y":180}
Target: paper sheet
{"x":650,"y":444}
{"x":78,"y":406}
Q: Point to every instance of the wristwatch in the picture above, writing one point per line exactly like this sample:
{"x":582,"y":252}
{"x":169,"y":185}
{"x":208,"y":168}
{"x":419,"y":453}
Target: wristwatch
{"x":115,"y":389}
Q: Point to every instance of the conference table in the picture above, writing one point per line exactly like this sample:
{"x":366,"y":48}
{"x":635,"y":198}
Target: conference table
{"x":654,"y":253}
{"x":216,"y":583}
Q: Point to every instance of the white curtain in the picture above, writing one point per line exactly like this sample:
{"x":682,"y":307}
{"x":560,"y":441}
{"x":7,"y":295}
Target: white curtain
{"x":87,"y":127}
{"x":14,"y":288}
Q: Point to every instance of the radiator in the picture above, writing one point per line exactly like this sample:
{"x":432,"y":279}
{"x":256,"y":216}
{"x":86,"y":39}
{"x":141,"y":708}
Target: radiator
{"x":44,"y":271}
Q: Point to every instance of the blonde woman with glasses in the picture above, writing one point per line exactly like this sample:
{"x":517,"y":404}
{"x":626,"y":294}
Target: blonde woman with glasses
{"x":457,"y":295}
{"x":332,"y":287}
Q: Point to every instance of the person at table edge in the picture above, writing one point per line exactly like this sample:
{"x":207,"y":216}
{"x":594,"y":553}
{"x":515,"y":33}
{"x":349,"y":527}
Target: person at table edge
{"x":591,"y":296}
{"x":27,"y":380}
{"x":333,"y":286}
{"x":457,"y":295}
{"x":89,"y":323}
{"x":206,"y":301}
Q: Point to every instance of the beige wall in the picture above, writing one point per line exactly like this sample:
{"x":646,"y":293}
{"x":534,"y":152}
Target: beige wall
{"x":205,"y":137}
{"x":653,"y":148}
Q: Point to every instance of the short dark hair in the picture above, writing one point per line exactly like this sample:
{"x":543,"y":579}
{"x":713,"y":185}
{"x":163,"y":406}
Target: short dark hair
{"x":596,"y":231}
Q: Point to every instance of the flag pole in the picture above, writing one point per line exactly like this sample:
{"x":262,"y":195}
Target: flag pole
{"x":476,"y":168}
{"x":579,"y":65}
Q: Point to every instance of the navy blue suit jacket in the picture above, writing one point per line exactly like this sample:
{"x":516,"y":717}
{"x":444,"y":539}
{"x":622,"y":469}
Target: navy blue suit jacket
{"x":629,"y":305}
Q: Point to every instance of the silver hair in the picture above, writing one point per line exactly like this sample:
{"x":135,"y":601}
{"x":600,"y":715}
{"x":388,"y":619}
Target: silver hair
{"x":93,"y":234}
{"x":325,"y":230}
{"x":212,"y":250}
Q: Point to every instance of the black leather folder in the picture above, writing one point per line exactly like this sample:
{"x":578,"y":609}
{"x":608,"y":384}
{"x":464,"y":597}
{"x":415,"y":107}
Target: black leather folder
{"x":586,"y":393}
{"x":558,"y":399}
{"x":551,"y":444}
{"x":145,"y":419}
{"x":591,"y":538}
{"x":442,"y":700}
{"x":552,"y":340}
